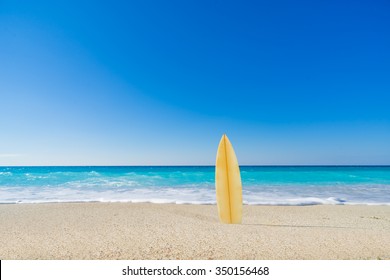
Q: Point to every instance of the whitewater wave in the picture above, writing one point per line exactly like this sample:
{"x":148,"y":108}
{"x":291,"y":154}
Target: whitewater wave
{"x":200,"y":196}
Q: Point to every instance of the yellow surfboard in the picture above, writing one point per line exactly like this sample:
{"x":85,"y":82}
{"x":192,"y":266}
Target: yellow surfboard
{"x":228,"y":184}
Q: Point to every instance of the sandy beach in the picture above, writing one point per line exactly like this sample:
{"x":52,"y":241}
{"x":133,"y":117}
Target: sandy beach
{"x":168,"y":231}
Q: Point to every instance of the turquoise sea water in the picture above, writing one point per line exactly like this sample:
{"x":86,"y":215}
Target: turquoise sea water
{"x":264,"y":185}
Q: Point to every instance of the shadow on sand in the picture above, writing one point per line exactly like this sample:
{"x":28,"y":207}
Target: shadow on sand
{"x":301,"y":226}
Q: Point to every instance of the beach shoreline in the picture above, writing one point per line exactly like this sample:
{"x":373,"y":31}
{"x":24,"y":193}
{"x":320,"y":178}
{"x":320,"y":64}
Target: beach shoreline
{"x":170,"y":231}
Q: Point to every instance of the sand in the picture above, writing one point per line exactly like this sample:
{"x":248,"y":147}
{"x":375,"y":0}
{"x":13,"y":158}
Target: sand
{"x":167,"y":231}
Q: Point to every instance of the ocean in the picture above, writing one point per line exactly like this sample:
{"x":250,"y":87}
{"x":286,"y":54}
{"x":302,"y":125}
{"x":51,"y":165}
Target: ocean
{"x":262,"y":185}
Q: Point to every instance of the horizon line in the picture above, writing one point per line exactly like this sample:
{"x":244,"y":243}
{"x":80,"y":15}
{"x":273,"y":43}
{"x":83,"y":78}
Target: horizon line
{"x":211,"y":165}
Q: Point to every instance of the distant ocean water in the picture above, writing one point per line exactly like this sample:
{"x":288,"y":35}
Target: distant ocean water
{"x":262,"y":185}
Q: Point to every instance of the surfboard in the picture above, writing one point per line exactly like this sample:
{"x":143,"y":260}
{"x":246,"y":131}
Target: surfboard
{"x":228,"y":184}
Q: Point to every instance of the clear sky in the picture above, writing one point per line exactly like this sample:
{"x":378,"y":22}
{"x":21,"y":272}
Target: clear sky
{"x":159,"y":82}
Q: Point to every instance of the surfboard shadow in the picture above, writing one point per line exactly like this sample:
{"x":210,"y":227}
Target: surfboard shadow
{"x":302,"y":226}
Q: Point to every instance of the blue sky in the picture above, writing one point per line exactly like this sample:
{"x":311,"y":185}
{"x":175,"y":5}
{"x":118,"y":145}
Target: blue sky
{"x":159,"y":82}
